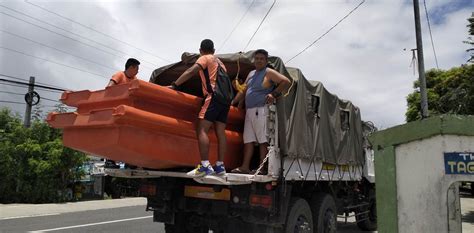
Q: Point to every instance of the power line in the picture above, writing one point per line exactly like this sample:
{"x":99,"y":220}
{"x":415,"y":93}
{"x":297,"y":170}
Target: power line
{"x":8,"y":76}
{"x":12,"y":93}
{"x":23,"y":79}
{"x":24,"y":103}
{"x":57,"y":63}
{"x":330,"y":29}
{"x":261,"y":22}
{"x":62,"y":51}
{"x":78,"y":35}
{"x":235,"y":27}
{"x":431,"y":35}
{"x":48,"y":88}
{"x":13,"y":85}
{"x":27,"y":84}
{"x":19,"y":94}
{"x":92,"y":29}
{"x":57,"y":33}
{"x":23,"y":86}
{"x":52,"y":91}
{"x":57,"y":101}
{"x":11,"y":102}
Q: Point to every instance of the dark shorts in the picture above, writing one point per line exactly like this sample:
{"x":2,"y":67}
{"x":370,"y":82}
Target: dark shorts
{"x":214,"y":111}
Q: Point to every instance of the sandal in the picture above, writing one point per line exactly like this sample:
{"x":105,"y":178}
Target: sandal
{"x":239,"y":171}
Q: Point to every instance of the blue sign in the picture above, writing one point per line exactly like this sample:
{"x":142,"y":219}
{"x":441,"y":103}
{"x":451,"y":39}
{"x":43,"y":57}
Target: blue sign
{"x":459,"y":163}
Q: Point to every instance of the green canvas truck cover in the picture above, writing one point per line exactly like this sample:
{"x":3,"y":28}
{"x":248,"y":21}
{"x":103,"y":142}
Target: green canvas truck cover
{"x":313,"y":123}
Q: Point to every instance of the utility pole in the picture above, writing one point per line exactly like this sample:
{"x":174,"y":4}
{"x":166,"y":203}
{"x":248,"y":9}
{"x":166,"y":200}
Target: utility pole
{"x":29,"y":104}
{"x":421,"y":63}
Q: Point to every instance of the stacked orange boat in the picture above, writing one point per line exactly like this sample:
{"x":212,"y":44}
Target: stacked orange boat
{"x":143,"y":124}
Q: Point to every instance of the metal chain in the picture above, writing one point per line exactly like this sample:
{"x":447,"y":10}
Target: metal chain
{"x":271,"y":148}
{"x":264,"y":161}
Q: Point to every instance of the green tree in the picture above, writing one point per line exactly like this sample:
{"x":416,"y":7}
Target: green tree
{"x":34,"y":165}
{"x":37,"y":113}
{"x":470,"y":40}
{"x":449,"y":92}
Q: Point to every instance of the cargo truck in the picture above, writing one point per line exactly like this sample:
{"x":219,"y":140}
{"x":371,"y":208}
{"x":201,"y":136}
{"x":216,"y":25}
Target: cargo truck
{"x":319,"y":167}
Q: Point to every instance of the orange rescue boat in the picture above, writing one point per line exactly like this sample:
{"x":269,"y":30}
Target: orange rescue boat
{"x":142,"y":124}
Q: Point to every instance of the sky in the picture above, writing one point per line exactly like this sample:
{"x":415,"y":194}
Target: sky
{"x":367,"y":58}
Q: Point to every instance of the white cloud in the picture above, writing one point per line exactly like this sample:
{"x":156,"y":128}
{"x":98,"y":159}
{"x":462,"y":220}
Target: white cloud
{"x":363,"y":59}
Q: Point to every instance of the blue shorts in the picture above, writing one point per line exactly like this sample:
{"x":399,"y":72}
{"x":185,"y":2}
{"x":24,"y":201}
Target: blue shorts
{"x":214,"y":111}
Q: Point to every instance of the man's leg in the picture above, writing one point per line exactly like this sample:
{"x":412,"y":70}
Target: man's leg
{"x":249,"y":139}
{"x":219,"y":128}
{"x":203,"y":138}
{"x":263,"y":151}
{"x":248,"y":152}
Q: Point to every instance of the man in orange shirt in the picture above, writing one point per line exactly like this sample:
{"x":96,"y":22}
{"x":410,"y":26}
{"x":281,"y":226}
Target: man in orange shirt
{"x":131,"y":70}
{"x":121,"y":77}
{"x":212,"y":111}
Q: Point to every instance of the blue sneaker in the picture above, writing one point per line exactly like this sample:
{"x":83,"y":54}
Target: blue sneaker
{"x":200,"y":171}
{"x":219,"y":169}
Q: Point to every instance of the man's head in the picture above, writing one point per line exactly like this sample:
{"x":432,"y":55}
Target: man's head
{"x":260,"y":59}
{"x":207,"y":47}
{"x":131,"y":67}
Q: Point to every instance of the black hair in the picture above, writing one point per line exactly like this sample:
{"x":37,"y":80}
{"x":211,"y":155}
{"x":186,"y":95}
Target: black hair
{"x":263,"y":52}
{"x":207,"y":46}
{"x":131,"y":62}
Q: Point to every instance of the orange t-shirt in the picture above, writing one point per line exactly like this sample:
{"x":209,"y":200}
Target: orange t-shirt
{"x":209,"y":62}
{"x":121,"y":78}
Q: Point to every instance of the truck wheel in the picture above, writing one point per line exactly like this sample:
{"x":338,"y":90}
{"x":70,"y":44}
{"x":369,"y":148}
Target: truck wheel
{"x":472,"y":188}
{"x":368,"y":222}
{"x":299,"y":218}
{"x":324,"y":213}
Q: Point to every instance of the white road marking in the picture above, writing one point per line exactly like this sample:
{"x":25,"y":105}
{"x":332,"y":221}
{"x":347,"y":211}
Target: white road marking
{"x":90,"y":224}
{"x":29,"y":216}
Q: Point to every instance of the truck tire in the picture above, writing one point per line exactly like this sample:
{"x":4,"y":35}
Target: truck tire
{"x":324,"y":213}
{"x":368,"y":222}
{"x":299,"y":218}
{"x":472,"y":188}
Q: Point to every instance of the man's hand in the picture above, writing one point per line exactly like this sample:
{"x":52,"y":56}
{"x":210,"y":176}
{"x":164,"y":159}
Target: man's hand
{"x":171,"y":87}
{"x":269,"y":99}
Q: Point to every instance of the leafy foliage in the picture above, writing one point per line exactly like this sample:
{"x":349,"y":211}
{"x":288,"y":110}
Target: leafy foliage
{"x":470,"y":40}
{"x":450,"y":91}
{"x":34,"y":165}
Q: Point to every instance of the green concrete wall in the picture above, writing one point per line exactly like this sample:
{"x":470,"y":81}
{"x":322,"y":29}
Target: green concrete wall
{"x":386,"y":190}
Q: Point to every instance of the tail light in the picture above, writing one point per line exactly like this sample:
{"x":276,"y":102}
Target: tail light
{"x":264,"y":201}
{"x":147,"y":190}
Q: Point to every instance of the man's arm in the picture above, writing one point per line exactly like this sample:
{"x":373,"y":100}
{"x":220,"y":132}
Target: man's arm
{"x":190,"y":72}
{"x":282,"y":83}
{"x":241,"y":95}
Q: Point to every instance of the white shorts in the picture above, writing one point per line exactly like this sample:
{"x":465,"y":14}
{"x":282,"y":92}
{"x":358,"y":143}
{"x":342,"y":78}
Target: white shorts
{"x":255,"y":127}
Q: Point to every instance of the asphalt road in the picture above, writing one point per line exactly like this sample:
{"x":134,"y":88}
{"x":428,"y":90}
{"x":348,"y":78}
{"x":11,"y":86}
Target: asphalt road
{"x":136,"y":219}
{"x":124,"y":219}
